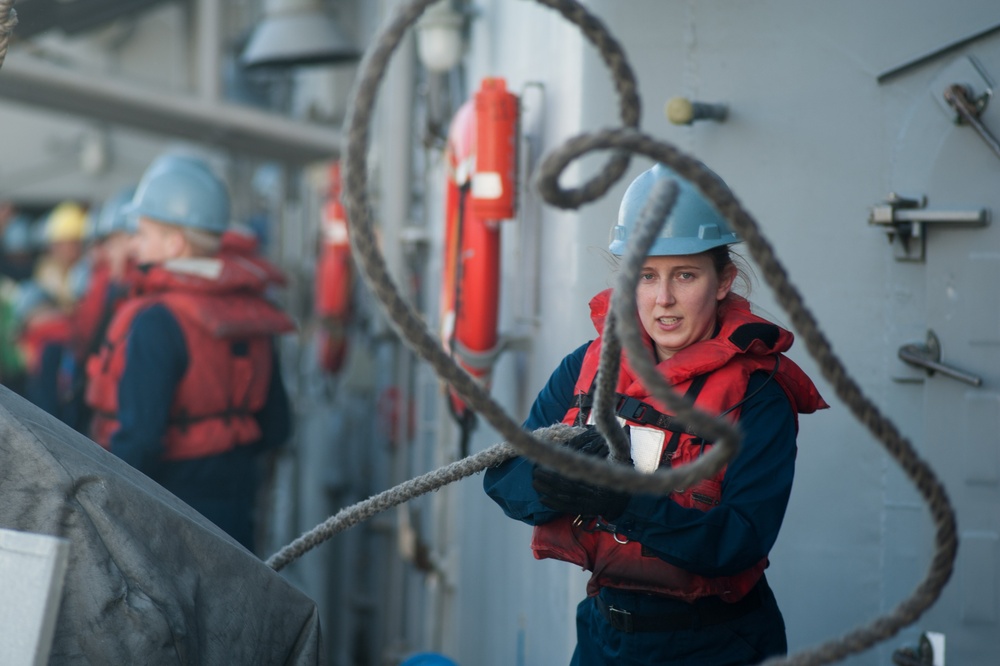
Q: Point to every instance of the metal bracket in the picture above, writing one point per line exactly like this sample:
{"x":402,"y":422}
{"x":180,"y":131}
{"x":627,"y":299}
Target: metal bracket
{"x":904,"y":221}
{"x":969,"y":108}
{"x":928,"y":357}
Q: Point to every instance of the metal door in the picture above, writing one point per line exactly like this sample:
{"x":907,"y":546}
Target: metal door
{"x":944,"y":286}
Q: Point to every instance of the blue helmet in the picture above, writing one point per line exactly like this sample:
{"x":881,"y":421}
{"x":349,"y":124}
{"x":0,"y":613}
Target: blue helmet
{"x":693,"y":225}
{"x":184,"y":191}
{"x":112,"y":218}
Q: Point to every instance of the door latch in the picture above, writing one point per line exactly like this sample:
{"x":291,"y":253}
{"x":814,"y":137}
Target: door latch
{"x":969,"y":108}
{"x":928,"y":357}
{"x":904,"y":221}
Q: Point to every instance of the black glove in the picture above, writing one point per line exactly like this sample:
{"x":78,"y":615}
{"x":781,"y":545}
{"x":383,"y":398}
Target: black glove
{"x":579,"y":498}
{"x":590,"y":441}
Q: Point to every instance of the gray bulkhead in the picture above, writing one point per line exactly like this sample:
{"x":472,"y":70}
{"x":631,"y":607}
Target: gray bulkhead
{"x":826,"y":120}
{"x":832,"y":107}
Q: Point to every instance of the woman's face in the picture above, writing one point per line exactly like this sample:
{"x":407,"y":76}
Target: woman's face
{"x":678,"y":299}
{"x":155,"y":242}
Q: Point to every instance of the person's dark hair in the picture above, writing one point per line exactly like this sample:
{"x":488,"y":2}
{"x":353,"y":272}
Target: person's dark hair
{"x":724,"y":256}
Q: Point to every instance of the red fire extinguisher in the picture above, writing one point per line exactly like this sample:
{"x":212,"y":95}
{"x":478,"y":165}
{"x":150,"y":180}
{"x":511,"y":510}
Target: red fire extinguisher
{"x":333,"y":278}
{"x":494,"y":177}
{"x":481,"y":191}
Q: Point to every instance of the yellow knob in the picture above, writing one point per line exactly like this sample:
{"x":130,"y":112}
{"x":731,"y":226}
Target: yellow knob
{"x":680,"y":111}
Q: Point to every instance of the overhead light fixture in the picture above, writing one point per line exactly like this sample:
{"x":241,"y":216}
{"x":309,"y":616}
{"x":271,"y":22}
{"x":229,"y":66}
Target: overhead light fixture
{"x":295,"y":33}
{"x":440,"y":36}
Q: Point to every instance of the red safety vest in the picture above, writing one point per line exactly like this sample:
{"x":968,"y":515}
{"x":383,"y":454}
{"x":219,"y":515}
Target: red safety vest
{"x":722,"y":366}
{"x":88,"y":310}
{"x":91,"y":314}
{"x":52,"y":327}
{"x":216,"y":399}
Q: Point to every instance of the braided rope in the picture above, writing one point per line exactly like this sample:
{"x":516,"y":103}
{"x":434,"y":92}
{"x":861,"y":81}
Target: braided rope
{"x":546,"y":451}
{"x":542,"y":446}
{"x":404,"y":492}
{"x":834,"y":371}
{"x":407,"y":322}
{"x":604,"y":415}
{"x":930,"y":488}
{"x":8,"y":19}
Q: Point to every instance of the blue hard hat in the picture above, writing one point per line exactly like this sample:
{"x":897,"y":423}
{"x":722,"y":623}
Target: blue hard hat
{"x":17,"y":236}
{"x":428,"y":659}
{"x":182,"y":190}
{"x":112,"y":217}
{"x":693,"y":225}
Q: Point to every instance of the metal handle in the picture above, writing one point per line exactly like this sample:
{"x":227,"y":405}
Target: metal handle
{"x":904,"y":219}
{"x":928,"y":357}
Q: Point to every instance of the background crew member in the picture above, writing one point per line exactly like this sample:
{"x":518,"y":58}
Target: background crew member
{"x":186,"y":387}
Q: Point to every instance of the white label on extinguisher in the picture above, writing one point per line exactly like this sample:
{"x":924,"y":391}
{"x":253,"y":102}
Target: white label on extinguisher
{"x":487,"y":185}
{"x":335,"y":231}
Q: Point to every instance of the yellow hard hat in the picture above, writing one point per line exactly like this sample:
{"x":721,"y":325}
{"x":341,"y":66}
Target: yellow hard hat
{"x":66,"y":222}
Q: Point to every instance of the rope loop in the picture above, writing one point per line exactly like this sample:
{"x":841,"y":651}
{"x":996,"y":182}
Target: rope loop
{"x":544,"y":446}
{"x":547,"y":451}
{"x":623,"y":305}
{"x":628,"y":98}
{"x":410,"y":325}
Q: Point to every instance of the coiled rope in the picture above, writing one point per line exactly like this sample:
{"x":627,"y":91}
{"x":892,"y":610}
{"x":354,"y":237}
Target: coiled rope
{"x":542,"y":447}
{"x":409,"y":324}
{"x":919,"y":472}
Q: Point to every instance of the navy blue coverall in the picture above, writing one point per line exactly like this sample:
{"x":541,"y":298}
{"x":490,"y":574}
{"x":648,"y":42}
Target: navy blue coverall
{"x":730,"y":538}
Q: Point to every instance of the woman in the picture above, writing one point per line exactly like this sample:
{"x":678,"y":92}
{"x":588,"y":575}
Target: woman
{"x":675,"y":579}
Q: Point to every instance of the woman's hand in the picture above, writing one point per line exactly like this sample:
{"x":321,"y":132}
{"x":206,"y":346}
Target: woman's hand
{"x":579,"y":498}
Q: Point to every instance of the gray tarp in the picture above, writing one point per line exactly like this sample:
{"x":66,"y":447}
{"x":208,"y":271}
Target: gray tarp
{"x":149,"y":580}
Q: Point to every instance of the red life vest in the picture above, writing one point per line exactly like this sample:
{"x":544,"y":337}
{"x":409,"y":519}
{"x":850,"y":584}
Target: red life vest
{"x":91,"y":314}
{"x":218,"y":311}
{"x":42,"y":329}
{"x":88,"y":311}
{"x":722,"y":365}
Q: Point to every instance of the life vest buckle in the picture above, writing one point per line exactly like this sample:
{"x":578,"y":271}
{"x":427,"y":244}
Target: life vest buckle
{"x":632,"y":409}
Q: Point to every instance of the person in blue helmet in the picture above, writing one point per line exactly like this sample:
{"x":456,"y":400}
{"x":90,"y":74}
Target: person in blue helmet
{"x":186,"y":386}
{"x":677,"y":578}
